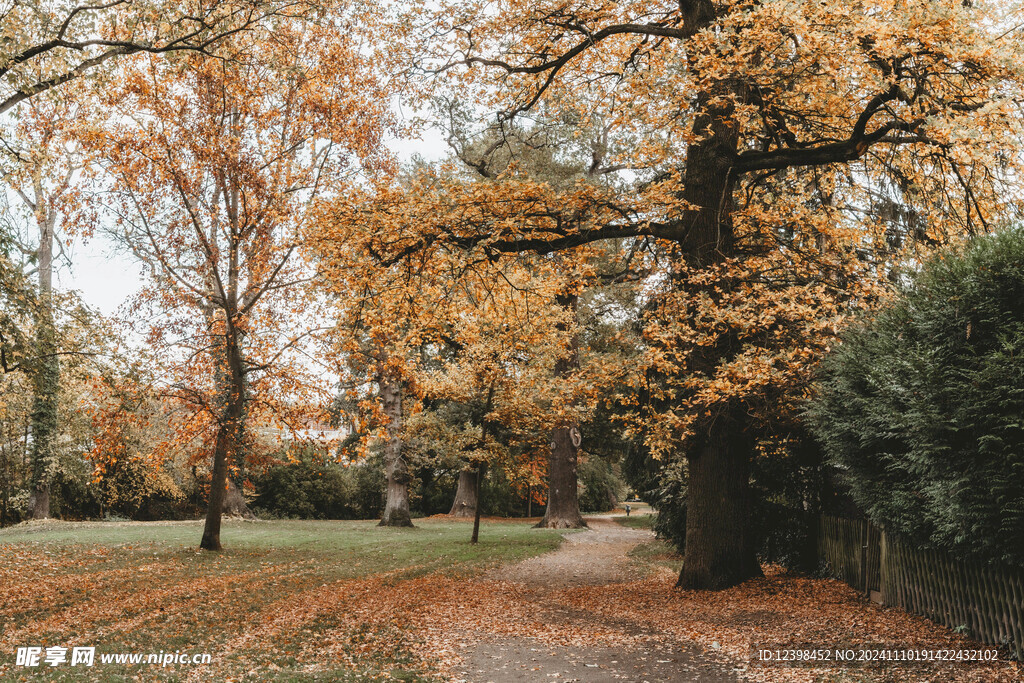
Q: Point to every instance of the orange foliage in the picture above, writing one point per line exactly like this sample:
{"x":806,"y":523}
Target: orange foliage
{"x":214,"y":165}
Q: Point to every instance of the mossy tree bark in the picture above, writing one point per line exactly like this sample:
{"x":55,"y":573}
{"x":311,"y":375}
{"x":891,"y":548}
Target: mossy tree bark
{"x":45,"y":367}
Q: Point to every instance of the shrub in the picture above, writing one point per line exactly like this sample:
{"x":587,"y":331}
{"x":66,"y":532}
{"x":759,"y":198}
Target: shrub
{"x":311,"y":490}
{"x":922,"y":408}
{"x":499,"y":496}
{"x":600,"y":485}
{"x":788,"y":484}
{"x":669,"y":499}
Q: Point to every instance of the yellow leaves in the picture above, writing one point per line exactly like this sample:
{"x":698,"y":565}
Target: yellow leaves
{"x":742,"y":333}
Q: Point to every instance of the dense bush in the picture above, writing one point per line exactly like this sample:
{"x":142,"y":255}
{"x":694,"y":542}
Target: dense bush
{"x":500,"y":498}
{"x":600,"y":485}
{"x":792,"y":487}
{"x":134,"y":489}
{"x":923,"y":407}
{"x":669,"y":499}
{"x":311,"y":490}
{"x":432,"y":491}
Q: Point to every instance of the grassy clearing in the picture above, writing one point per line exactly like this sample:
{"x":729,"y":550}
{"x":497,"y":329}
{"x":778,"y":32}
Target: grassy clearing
{"x":347,"y":549}
{"x":143,"y":587}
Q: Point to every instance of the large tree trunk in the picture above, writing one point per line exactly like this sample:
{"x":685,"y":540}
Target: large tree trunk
{"x":563,"y":510}
{"x":465,"y":495}
{"x":720,"y":551}
{"x":46,"y":370}
{"x":396,"y":503}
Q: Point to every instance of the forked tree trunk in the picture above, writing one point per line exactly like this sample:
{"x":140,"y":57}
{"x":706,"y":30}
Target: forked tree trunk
{"x":396,"y":504}
{"x":465,"y":495}
{"x":720,"y":551}
{"x":234,"y":504}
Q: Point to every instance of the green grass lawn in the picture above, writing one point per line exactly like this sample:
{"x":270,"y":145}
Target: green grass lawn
{"x":144,"y":587}
{"x":347,"y":548}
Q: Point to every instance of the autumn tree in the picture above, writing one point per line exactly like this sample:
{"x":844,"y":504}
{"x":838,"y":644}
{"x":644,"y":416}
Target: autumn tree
{"x":16,"y":305}
{"x":504,"y":346}
{"x":47,"y":43}
{"x":484,"y":381}
{"x":386,"y":320}
{"x":379,"y":322}
{"x":450,"y":332}
{"x":80,"y":337}
{"x":534,"y":151}
{"x":561,"y":151}
{"x":16,"y":298}
{"x":755,"y":136}
{"x":214,"y":165}
{"x":130,"y":425}
{"x":15,"y":417}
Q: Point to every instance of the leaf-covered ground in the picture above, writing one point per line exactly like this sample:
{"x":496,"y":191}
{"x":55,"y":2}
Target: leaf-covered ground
{"x":286,"y":599}
{"x":349,"y":601}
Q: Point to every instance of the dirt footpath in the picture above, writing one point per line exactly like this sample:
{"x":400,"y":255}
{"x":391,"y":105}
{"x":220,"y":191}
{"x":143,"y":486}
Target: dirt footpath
{"x":597,"y":556}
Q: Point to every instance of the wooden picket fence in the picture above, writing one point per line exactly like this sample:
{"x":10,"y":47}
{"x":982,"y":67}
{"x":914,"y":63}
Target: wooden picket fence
{"x":987,"y":601}
{"x":852,"y":550}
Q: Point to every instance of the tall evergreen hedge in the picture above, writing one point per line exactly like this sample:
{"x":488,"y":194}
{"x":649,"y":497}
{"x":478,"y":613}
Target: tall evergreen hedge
{"x":922,"y":407}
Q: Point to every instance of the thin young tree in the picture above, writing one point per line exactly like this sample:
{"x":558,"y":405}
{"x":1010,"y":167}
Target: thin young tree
{"x":215,"y":164}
